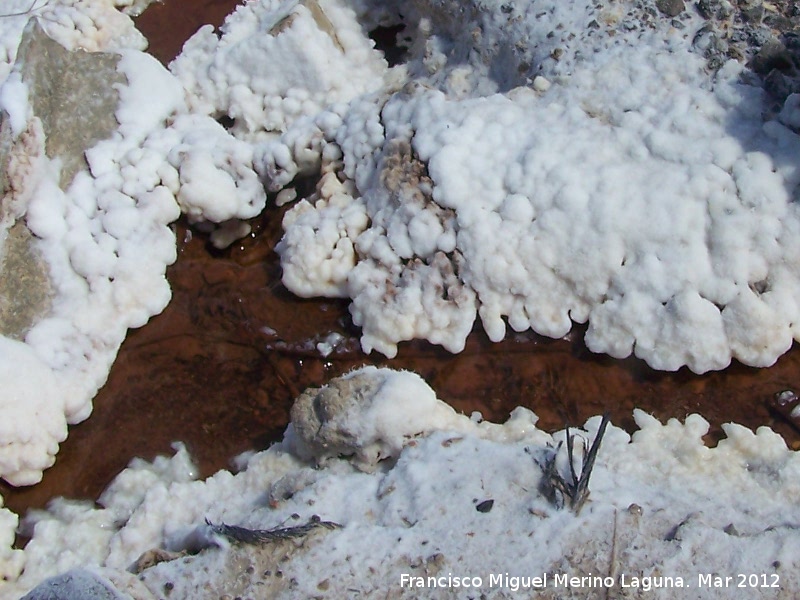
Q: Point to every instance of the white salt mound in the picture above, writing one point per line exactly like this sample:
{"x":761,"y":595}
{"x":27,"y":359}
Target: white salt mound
{"x":528,"y":169}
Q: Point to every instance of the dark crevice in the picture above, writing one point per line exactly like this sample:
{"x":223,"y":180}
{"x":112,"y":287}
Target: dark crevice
{"x":386,"y":40}
{"x":226,"y":121}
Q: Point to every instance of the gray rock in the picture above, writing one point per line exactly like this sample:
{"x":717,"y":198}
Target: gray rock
{"x":670,"y":8}
{"x":320,"y":416}
{"x":773,"y":55}
{"x":25,"y":290}
{"x":77,"y":584}
{"x":74,"y":101}
{"x":73,"y":93}
{"x":707,"y":8}
{"x":752,"y":11}
{"x":367,"y":415}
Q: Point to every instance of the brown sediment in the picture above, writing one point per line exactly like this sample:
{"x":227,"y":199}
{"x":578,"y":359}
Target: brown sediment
{"x":219,"y":368}
{"x":168,"y":24}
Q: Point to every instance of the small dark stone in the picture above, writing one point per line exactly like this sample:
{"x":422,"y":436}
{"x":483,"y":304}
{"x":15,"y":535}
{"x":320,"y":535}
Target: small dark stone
{"x":630,"y":25}
{"x":707,"y":8}
{"x":730,"y":529}
{"x":791,"y":40}
{"x":753,"y":13}
{"x":777,"y":22}
{"x":779,"y":86}
{"x":773,"y":55}
{"x":485,"y":506}
{"x":671,"y":8}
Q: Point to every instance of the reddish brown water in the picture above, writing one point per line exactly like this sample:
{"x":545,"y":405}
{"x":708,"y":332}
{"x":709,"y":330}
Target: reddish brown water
{"x":219,"y":368}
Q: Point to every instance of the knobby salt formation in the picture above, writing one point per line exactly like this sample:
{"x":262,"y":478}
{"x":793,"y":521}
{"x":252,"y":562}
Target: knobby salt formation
{"x":542,"y":164}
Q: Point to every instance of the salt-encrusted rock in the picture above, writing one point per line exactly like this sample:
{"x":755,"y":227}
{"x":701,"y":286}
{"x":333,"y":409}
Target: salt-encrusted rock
{"x":77,"y":584}
{"x":369,"y":415}
{"x":82,"y":260}
{"x":72,"y":104}
{"x":73,"y":95}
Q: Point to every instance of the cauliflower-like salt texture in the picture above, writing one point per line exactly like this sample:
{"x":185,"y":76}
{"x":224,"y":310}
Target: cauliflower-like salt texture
{"x":664,"y":219}
{"x":277,"y":61}
{"x":217,"y":181}
{"x":330,"y":225}
{"x":32,"y":422}
{"x":11,"y":559}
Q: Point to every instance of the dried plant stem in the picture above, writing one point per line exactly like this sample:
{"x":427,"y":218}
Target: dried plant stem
{"x":576,"y":491}
{"x":30,"y":9}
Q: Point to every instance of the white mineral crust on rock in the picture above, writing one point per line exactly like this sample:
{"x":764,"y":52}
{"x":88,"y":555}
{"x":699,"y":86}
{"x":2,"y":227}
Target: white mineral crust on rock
{"x":277,"y":62}
{"x":96,"y":26}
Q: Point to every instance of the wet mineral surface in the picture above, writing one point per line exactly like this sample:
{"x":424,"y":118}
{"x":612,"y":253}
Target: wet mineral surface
{"x":219,"y":368}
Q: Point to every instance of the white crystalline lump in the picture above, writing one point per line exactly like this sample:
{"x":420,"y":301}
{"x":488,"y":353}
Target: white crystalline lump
{"x":32,"y":422}
{"x":277,"y":61}
{"x":93,"y":26}
{"x":660,"y":500}
{"x":11,"y":559}
{"x":637,"y":193}
{"x":215,"y":176}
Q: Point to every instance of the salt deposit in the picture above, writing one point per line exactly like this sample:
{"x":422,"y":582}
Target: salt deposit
{"x":633,"y":188}
{"x":534,"y":164}
{"x":663,"y":511}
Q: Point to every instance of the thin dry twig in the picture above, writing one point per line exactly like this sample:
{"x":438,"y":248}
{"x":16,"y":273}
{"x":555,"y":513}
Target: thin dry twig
{"x":263,"y":536}
{"x":574,"y":492}
{"x":30,"y":9}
